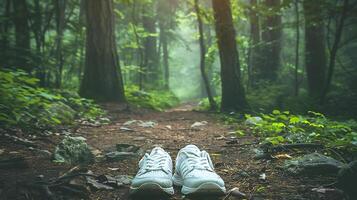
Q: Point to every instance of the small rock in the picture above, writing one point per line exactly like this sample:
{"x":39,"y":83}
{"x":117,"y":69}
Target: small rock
{"x":118,"y":156}
{"x":73,"y":150}
{"x":240,"y":175}
{"x":347,"y":179}
{"x":139,"y":139}
{"x":123,"y":152}
{"x":199,"y":124}
{"x":129,"y":123}
{"x":328,"y":193}
{"x":262,"y":177}
{"x":104,"y":120}
{"x":126,"y":129}
{"x":169,"y":127}
{"x":2,"y":151}
{"x":124,"y":179}
{"x":260,"y":154}
{"x":113,"y":169}
{"x":253,"y":120}
{"x":311,"y":164}
{"x":147,"y":124}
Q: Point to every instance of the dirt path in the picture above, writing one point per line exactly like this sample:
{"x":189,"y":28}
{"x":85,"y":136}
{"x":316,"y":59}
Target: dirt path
{"x":173,"y":131}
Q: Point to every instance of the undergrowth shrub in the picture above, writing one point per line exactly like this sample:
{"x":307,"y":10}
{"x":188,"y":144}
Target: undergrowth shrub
{"x":152,"y":99}
{"x":204,"y":103}
{"x":284,"y":127}
{"x":25,"y":105}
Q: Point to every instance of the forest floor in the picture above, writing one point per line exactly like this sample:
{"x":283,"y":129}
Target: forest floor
{"x":233,"y":162}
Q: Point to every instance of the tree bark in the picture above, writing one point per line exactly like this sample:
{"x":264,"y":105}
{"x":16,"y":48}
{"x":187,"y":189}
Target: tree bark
{"x":212,"y":103}
{"x":233,"y":95}
{"x":254,"y":51}
{"x":150,"y":47}
{"x":60,"y":6}
{"x":165,"y":57}
{"x":271,"y":38}
{"x":22,"y":36}
{"x":4,"y":28}
{"x":334,"y":50}
{"x":102,"y":75}
{"x":315,"y":48}
{"x":297,"y":47}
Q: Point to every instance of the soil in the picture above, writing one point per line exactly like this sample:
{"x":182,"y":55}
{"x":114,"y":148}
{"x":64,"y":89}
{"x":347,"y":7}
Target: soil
{"x":233,"y":162}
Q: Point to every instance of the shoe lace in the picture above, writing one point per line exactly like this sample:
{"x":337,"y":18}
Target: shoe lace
{"x":197,"y":162}
{"x":155,"y":162}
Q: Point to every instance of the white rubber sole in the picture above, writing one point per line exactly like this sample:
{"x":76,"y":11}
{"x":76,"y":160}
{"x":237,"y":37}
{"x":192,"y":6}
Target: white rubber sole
{"x":153,"y":189}
{"x":207,"y":188}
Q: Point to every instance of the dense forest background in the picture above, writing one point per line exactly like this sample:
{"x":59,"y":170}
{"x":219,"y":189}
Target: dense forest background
{"x":83,"y":82}
{"x":292,"y":55}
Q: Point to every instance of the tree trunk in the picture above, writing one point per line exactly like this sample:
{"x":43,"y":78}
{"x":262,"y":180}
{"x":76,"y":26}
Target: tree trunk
{"x":212,"y":103}
{"x":4,"y":41}
{"x":315,"y":49}
{"x":60,"y":23}
{"x":22,"y":36}
{"x":150,"y":47}
{"x":140,"y":50}
{"x":165,"y":57}
{"x":233,"y":95}
{"x":102,"y":75}
{"x":165,"y":11}
{"x":254,"y":56}
{"x":271,"y":38}
{"x":297,"y":47}
{"x":332,"y":61}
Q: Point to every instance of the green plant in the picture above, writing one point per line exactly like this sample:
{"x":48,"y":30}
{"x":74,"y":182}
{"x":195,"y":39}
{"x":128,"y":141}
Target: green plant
{"x":204,"y":103}
{"x":25,"y":105}
{"x":282,"y":126}
{"x":153,"y":99}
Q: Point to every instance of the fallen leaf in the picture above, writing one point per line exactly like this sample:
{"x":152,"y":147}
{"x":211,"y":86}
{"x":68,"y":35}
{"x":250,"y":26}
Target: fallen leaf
{"x":282,"y":156}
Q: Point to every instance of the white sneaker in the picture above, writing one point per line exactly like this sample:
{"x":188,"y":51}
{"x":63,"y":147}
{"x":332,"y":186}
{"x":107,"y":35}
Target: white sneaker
{"x":154,"y":175}
{"x":195,"y":173}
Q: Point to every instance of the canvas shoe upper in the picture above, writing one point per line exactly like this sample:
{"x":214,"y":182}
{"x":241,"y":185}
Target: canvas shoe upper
{"x":154,"y":174}
{"x":195,"y":172}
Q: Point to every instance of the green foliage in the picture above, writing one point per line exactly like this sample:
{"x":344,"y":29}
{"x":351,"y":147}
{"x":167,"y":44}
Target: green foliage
{"x":153,"y":99}
{"x":25,"y":105}
{"x":282,"y":126}
{"x":204,"y":103}
{"x":265,"y":96}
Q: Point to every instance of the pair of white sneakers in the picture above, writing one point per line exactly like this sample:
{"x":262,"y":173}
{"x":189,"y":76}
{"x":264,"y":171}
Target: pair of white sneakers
{"x":194,"y":171}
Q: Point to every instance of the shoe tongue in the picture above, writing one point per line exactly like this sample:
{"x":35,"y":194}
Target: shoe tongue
{"x":193,"y":150}
{"x":157,"y":150}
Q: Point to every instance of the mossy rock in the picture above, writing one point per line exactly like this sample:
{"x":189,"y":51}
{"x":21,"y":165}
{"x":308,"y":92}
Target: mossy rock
{"x":73,"y":150}
{"x":313,"y":163}
{"x":62,"y":112}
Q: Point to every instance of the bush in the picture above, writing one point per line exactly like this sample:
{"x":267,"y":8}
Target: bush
{"x":153,"y":99}
{"x":204,"y":103}
{"x":280,"y":127}
{"x":23,"y":104}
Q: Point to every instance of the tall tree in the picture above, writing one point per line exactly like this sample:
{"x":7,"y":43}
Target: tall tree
{"x":315,"y":48}
{"x":102,"y":75}
{"x":4,"y":39}
{"x":271,"y":37}
{"x":254,"y":55}
{"x":336,"y":42}
{"x":60,"y":6}
{"x":22,"y":35}
{"x":297,"y":47}
{"x":233,"y":95}
{"x":203,"y":56}
{"x":151,"y":64}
